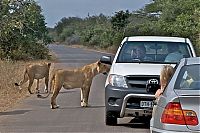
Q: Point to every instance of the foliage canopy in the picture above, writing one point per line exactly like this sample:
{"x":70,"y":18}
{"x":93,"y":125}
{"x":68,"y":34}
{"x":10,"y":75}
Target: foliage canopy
{"x":23,"y":33}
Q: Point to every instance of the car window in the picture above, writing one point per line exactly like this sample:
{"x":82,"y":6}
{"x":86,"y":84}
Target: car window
{"x":154,"y":52}
{"x":189,"y":78}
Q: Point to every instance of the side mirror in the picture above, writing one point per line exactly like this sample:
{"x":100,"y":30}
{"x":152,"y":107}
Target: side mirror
{"x":106,"y":60}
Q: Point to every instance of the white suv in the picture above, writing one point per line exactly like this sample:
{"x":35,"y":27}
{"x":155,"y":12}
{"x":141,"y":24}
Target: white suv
{"x":133,"y":80}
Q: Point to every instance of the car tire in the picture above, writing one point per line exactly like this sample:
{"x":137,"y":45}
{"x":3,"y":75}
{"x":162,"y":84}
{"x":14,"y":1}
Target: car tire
{"x":111,"y":118}
{"x":145,"y":120}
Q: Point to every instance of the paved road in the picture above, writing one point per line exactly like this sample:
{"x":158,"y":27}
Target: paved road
{"x":35,"y":115}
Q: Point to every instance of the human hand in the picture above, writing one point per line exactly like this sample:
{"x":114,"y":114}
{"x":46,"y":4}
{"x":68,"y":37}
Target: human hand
{"x":158,"y":93}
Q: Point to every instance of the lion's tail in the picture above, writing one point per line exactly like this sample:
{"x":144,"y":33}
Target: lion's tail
{"x":16,"y":84}
{"x":51,"y":86}
{"x":24,"y":80}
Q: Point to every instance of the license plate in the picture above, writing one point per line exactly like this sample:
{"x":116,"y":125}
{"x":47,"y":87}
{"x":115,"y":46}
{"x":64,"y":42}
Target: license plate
{"x":146,"y":104}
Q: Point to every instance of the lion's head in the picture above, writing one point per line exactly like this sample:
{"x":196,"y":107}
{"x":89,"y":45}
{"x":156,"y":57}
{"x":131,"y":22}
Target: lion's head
{"x":102,"y":68}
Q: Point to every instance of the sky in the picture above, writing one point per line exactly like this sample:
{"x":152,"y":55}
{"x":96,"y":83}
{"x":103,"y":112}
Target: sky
{"x":54,"y":10}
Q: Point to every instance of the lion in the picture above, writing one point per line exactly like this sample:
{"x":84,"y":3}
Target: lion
{"x":36,"y":71}
{"x":165,"y":75}
{"x":68,"y":80}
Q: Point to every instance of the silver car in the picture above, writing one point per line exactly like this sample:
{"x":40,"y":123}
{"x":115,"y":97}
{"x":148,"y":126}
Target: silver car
{"x":178,"y":108}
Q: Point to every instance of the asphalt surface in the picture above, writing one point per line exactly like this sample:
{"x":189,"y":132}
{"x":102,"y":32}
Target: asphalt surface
{"x":35,"y":115}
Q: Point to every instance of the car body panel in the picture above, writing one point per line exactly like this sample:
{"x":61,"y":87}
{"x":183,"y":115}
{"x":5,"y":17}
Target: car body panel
{"x":139,"y":69}
{"x":188,"y":98}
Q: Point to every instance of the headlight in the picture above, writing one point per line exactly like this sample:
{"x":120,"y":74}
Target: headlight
{"x":117,"y":80}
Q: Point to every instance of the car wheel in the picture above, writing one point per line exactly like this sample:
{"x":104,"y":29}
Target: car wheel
{"x":145,"y":120}
{"x":111,"y":118}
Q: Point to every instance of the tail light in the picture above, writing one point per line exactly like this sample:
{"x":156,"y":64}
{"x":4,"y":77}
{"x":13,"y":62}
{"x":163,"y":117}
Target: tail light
{"x":173,"y":114}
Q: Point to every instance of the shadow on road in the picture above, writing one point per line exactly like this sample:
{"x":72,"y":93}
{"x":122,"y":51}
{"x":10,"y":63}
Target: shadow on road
{"x":67,"y":91}
{"x":15,"y":112}
{"x":97,"y":106}
{"x":135,"y":125}
{"x":140,"y":126}
{"x":61,"y":92}
{"x":75,"y":107}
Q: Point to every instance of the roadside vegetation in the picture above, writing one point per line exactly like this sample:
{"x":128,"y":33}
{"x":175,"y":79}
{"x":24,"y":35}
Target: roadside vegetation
{"x":23,"y":34}
{"x":161,"y":17}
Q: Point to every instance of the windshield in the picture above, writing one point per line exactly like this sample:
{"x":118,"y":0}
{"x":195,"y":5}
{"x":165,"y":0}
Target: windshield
{"x":161,"y":52}
{"x":189,"y":78}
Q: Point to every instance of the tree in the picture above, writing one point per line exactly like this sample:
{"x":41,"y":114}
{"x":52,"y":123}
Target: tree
{"x":23,"y":32}
{"x":120,"y":20}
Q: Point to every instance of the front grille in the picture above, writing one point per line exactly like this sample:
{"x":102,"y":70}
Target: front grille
{"x":139,"y":82}
{"x":132,"y":85}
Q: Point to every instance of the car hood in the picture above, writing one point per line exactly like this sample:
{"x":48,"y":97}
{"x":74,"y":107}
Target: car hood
{"x":136,"y":69}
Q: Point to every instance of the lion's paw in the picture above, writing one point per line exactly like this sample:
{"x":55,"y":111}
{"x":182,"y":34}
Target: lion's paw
{"x":55,"y":106}
{"x":83,"y":104}
{"x":46,"y":90}
{"x":39,"y":96}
